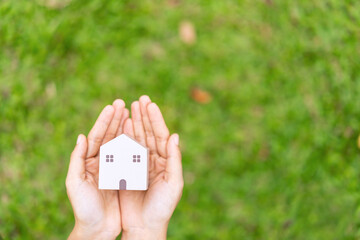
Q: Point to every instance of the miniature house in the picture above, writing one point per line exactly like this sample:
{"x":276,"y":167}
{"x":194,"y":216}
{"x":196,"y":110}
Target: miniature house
{"x":123,"y":165}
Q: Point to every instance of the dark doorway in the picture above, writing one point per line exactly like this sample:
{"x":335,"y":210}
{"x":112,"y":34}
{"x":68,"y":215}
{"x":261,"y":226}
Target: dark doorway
{"x":122,"y":184}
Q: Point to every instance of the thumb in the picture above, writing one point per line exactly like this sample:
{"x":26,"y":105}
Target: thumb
{"x":173,"y":165}
{"x":77,"y":159}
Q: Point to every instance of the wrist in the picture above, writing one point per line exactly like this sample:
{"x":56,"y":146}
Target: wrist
{"x":79,"y":233}
{"x":144,"y":233}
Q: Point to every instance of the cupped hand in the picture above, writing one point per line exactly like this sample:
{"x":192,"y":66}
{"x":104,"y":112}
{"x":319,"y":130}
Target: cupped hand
{"x":146,"y":214}
{"x":97,"y":212}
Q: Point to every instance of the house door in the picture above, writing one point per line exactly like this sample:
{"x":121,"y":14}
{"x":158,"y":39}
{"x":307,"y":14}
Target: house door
{"x":122,"y":184}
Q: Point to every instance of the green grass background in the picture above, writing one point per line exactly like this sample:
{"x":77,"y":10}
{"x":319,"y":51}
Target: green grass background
{"x":272,"y":156}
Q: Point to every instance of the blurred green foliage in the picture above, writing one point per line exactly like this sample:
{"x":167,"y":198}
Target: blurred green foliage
{"x":272,"y":156}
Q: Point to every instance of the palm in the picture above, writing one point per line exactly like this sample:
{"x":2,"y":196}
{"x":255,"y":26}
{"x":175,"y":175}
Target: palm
{"x":97,"y":205}
{"x":94,"y":207}
{"x":145,"y":208}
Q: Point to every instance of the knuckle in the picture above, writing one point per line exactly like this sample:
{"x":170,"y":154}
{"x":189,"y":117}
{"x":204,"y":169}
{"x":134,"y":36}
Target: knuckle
{"x":96,"y":139}
{"x":149,"y":133}
{"x":160,"y":138}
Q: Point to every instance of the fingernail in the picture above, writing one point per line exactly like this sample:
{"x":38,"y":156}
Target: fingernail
{"x":176,"y":139}
{"x":78,"y":139}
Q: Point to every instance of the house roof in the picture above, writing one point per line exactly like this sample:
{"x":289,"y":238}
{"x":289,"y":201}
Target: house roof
{"x":127,"y":137}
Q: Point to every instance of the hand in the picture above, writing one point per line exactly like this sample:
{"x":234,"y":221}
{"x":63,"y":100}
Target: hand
{"x":97,"y":212}
{"x":146,"y":214}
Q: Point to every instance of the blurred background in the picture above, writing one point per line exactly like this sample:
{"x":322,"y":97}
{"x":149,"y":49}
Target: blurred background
{"x":264,"y":95}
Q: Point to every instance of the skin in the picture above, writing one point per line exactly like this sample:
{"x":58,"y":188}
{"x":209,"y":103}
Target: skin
{"x":102,"y":214}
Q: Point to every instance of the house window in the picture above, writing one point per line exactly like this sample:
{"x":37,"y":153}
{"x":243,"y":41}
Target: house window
{"x":109,"y":158}
{"x":136,"y":158}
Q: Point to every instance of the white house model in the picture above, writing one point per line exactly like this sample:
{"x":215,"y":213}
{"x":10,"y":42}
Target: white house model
{"x":123,"y":165}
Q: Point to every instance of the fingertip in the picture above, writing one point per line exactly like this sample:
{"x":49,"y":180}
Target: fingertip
{"x":175,"y":139}
{"x":108,"y":112}
{"x":152,"y":106}
{"x":144,"y":99}
{"x":134,"y":105}
{"x":144,"y":102}
{"x":118,"y":103}
{"x":77,"y":159}
{"x":80,"y":139}
{"x":80,"y":147}
{"x":174,"y":166}
{"x":109,"y":109}
{"x":155,"y":113}
{"x":173,"y":144}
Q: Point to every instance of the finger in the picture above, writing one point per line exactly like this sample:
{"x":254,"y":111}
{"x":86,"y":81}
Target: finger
{"x":150,"y":138}
{"x":173,"y":163}
{"x":122,"y":122}
{"x":97,"y":133}
{"x":77,"y":160}
{"x":119,"y":107}
{"x":137,"y":123}
{"x":128,"y":128}
{"x":159,"y":128}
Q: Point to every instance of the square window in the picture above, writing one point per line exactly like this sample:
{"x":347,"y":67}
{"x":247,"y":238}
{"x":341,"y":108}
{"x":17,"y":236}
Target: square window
{"x":138,"y":160}
{"x":109,"y":158}
{"x":134,"y":156}
{"x":134,"y":160}
{"x":138,"y":156}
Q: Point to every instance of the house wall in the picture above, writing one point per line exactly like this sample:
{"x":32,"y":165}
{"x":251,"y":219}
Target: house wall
{"x":123,"y":167}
